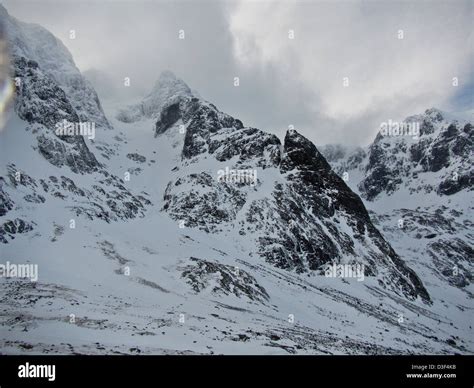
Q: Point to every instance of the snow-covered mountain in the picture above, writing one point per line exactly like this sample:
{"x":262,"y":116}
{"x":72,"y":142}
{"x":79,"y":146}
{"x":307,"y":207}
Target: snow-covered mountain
{"x":48,"y":54}
{"x":177,"y":229}
{"x":435,"y":158}
{"x":419,"y":187}
{"x":167,"y":90}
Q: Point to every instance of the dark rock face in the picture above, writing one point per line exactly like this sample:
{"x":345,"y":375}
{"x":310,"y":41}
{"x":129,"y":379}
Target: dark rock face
{"x":434,"y":115}
{"x":136,"y":157}
{"x":110,"y":200}
{"x":10,"y":228}
{"x":210,"y":131}
{"x":203,"y":120}
{"x":40,"y":100}
{"x":169,"y":116}
{"x":17,"y":177}
{"x":314,"y":184}
{"x":381,"y":175}
{"x":427,"y":127}
{"x":248,"y":144}
{"x":6,"y":203}
{"x":417,"y":150}
{"x":34,"y":198}
{"x":72,"y":153}
{"x":437,"y":158}
{"x":456,"y":183}
{"x":460,"y":257}
{"x":310,"y":174}
{"x":208,"y":204}
{"x":355,"y":158}
{"x":225,"y":279}
{"x":442,"y":147}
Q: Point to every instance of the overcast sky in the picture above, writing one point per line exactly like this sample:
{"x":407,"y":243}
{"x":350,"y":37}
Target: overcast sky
{"x":283,"y":81}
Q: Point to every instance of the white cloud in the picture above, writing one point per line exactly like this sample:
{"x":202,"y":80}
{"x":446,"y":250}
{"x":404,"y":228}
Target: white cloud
{"x":387,"y":76}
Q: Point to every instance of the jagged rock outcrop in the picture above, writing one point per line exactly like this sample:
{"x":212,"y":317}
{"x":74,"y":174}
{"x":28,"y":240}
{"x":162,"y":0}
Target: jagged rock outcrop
{"x":36,"y":44}
{"x":439,"y":159}
{"x":49,"y":92}
{"x":40,"y":100}
{"x":223,"y":279}
{"x":10,"y":228}
{"x":306,"y":218}
{"x":6,"y":202}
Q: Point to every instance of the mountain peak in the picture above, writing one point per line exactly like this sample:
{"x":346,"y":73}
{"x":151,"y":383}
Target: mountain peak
{"x":435,"y":114}
{"x":167,"y":90}
{"x":3,"y":11}
{"x":169,"y":86}
{"x":167,"y":75}
{"x":301,"y":153}
{"x":293,"y":137}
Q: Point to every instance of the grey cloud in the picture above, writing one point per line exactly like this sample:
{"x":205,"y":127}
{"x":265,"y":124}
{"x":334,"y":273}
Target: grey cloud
{"x":282,"y":82}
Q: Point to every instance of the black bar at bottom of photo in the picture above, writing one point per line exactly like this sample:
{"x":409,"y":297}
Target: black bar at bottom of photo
{"x":428,"y":371}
